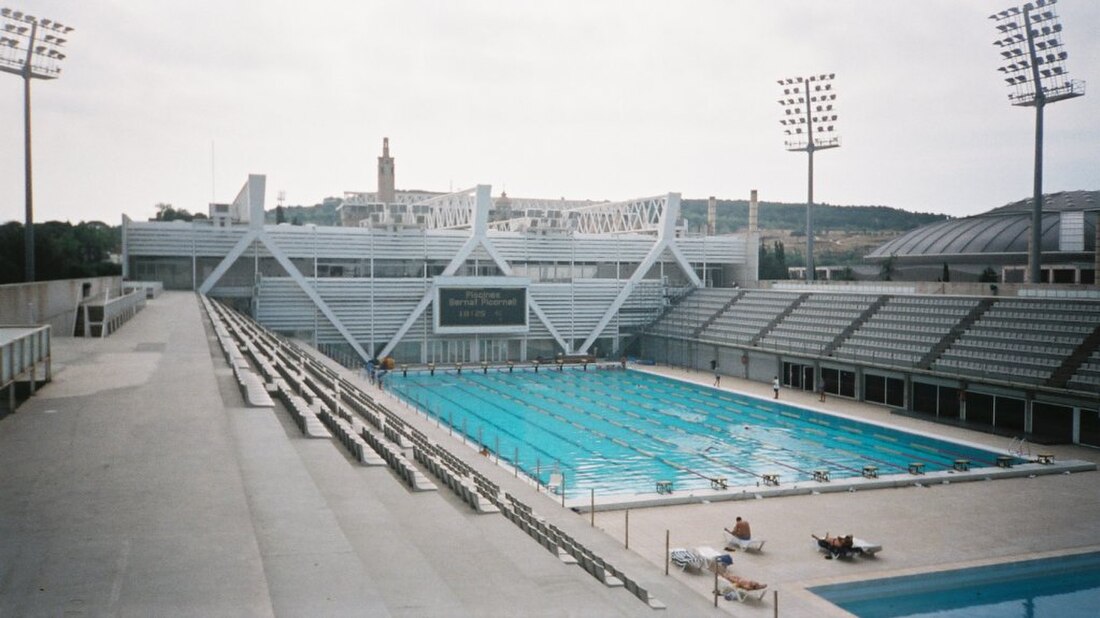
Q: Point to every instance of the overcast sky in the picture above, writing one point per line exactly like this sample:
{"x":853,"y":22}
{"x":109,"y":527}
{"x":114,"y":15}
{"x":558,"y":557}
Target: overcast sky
{"x":584,"y":99}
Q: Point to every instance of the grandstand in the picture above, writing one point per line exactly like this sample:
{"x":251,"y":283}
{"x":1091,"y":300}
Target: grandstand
{"x":1037,"y":360}
{"x":591,"y":280}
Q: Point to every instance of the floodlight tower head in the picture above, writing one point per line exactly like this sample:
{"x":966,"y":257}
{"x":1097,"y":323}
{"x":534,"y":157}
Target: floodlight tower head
{"x":1030,"y":40}
{"x":29,"y":46}
{"x":809,"y":114}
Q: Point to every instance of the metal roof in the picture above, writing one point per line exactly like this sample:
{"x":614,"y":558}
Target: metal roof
{"x":998,"y":231}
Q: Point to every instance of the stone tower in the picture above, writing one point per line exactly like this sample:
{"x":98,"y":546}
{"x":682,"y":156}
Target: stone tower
{"x":385,"y":174}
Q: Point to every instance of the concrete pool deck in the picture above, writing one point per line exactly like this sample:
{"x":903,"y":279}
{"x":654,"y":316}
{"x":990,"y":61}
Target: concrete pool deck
{"x":925,"y":528}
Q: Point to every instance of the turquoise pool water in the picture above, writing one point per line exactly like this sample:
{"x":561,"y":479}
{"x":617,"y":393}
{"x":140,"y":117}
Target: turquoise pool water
{"x":1066,"y":587}
{"x":619,"y":432}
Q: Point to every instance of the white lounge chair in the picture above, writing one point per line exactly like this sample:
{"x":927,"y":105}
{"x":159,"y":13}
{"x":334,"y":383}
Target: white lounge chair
{"x":731,"y":592}
{"x":756,"y":545}
{"x":687,"y":559}
{"x":860,"y":547}
{"x":866,"y":548}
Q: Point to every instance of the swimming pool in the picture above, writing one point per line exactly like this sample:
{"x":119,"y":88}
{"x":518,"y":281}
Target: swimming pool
{"x":1064,"y":587}
{"x":619,"y":432}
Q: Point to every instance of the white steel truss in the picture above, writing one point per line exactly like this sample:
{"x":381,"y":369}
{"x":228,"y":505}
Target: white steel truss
{"x":642,"y":215}
{"x":450,"y":211}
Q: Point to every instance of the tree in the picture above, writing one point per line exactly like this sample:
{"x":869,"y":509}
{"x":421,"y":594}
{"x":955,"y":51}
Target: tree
{"x":988,"y":275}
{"x":165,"y":212}
{"x":280,"y":215}
{"x":773,"y":265}
{"x":62,"y":250}
{"x":886,"y":273}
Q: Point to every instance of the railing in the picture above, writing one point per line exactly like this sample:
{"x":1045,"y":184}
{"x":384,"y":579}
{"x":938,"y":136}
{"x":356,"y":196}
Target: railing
{"x":103,"y":317}
{"x":22,"y":351}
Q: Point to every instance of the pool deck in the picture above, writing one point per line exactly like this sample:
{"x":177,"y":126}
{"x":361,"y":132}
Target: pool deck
{"x":138,"y":483}
{"x":930,"y":527}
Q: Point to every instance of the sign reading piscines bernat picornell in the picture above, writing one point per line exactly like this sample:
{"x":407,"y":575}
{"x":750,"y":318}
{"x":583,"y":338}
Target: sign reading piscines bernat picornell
{"x":467,"y":305}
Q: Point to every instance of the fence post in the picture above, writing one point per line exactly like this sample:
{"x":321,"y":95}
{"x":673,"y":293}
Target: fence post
{"x":666,"y":550}
{"x":592,"y":508}
{"x":627,"y":528}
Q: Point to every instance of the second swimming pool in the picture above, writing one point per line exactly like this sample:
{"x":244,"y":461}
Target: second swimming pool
{"x":620,"y":432}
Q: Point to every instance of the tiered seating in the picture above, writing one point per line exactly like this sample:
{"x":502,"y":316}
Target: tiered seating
{"x":334,"y":401}
{"x":692,"y":311}
{"x":252,"y":387}
{"x":815,"y":323}
{"x":571,"y":551}
{"x":748,"y":316}
{"x":1088,"y":374}
{"x":1021,"y":340}
{"x":904,"y":329}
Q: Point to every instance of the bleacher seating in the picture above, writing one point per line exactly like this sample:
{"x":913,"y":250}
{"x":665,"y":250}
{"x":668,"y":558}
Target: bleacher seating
{"x":1024,"y":340}
{"x":815,"y":323}
{"x":904,"y":329}
{"x":1021,"y":340}
{"x":1088,"y":374}
{"x":693,"y":310}
{"x":318,"y":397}
{"x":746,"y":318}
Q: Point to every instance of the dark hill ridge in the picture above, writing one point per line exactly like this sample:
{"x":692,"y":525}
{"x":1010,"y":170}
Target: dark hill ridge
{"x":733,"y":215}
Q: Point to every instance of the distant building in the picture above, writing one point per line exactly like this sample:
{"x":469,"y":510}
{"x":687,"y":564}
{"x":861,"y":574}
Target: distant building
{"x":998,"y":240}
{"x":393,"y":209}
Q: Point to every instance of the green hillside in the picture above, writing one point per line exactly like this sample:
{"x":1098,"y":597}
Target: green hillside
{"x":733,"y":215}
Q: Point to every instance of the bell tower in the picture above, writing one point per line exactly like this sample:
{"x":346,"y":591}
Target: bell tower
{"x":386,"y":193}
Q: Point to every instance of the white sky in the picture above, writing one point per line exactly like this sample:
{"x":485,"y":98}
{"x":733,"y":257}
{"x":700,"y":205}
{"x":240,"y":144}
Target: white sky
{"x":583,"y":99}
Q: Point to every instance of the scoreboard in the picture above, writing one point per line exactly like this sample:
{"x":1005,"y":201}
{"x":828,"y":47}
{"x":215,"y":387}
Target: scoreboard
{"x":468,"y":305}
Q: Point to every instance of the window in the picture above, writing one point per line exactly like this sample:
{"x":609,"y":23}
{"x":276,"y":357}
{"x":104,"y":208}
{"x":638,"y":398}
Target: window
{"x":881,"y":389}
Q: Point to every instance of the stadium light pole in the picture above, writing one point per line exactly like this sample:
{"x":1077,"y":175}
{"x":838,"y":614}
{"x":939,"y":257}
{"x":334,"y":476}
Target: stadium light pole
{"x":809,"y":120}
{"x":1031,"y":47}
{"x":25,"y":53}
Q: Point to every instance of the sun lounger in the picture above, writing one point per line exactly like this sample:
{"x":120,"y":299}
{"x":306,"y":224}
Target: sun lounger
{"x":687,"y":559}
{"x":733,"y":543}
{"x":731,"y":592}
{"x":859,"y":547}
{"x":709,"y":556}
{"x":866,"y":548}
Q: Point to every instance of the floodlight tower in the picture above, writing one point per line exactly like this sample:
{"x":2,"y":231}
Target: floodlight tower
{"x":1031,"y":47}
{"x":809,"y":119}
{"x":31,"y":48}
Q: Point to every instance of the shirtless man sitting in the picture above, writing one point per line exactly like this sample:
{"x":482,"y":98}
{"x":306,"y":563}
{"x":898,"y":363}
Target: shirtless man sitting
{"x":740,"y":531}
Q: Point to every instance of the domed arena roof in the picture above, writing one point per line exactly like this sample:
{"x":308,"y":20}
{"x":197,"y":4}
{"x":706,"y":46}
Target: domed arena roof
{"x":1003,"y":230}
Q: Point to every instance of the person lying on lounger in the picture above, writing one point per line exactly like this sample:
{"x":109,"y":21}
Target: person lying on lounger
{"x":836,"y":546}
{"x":743,"y":582}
